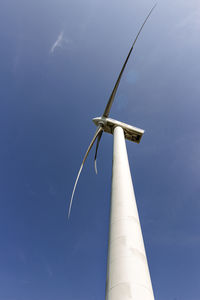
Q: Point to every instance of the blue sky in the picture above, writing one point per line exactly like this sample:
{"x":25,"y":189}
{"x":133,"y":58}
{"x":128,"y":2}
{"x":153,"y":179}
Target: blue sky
{"x":59,"y":63}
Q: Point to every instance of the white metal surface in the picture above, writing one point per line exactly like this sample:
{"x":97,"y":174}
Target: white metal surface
{"x":128,"y":275}
{"x":132,"y":133}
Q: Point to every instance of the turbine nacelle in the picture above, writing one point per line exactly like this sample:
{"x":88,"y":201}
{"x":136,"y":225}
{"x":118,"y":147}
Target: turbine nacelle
{"x":131,"y":133}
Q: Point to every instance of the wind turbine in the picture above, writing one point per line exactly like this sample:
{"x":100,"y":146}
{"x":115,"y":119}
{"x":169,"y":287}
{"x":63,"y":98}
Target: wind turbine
{"x":127,"y":267}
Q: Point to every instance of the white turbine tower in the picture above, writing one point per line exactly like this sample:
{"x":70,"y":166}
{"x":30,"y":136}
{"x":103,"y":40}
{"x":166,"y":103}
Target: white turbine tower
{"x":128,"y":275}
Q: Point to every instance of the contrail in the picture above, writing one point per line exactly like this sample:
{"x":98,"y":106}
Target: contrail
{"x":58,"y":42}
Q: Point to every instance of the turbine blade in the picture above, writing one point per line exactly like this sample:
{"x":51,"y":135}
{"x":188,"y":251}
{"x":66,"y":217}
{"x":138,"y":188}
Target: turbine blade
{"x":97,"y":146}
{"x":112,"y":96}
{"x":99,"y":129}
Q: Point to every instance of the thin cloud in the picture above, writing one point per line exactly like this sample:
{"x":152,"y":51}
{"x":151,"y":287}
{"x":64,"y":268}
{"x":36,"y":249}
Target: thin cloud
{"x":49,"y":270}
{"x":191,"y":21}
{"x":58,"y":42}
